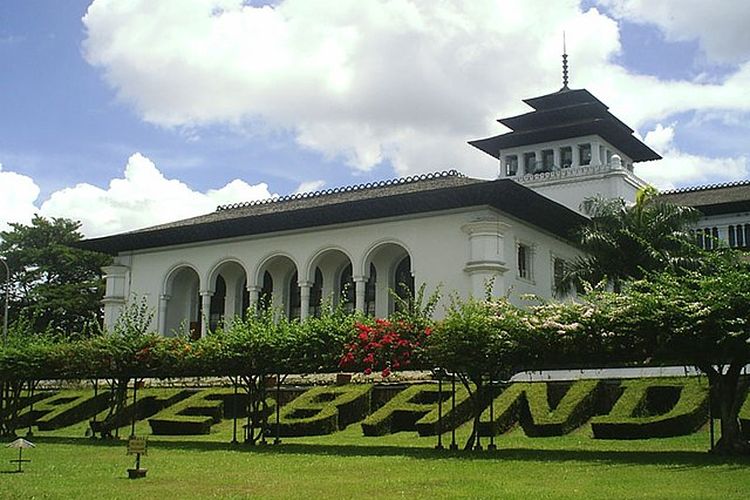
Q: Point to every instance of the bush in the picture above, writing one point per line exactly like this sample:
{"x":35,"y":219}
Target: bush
{"x":65,"y":409}
{"x":407,"y":408}
{"x":324,"y":410}
{"x":655,"y":408}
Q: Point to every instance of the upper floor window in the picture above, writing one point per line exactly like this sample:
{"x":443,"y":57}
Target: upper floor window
{"x":523,"y":257}
{"x":584,"y":153}
{"x":529,"y":163}
{"x":558,"y":274}
{"x":566,"y":157}
{"x":511,"y":165}
{"x":548,"y":160}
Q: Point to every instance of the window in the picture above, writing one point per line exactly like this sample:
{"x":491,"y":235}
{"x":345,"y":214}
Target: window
{"x":584,"y":153}
{"x":370,"y":291}
{"x":609,"y":156}
{"x":404,"y":281}
{"x":347,"y":289}
{"x":548,"y":160}
{"x":558,"y":274}
{"x":511,"y":165}
{"x":731,"y":236}
{"x":524,"y":261}
{"x":566,"y":157}
{"x":529,"y":163}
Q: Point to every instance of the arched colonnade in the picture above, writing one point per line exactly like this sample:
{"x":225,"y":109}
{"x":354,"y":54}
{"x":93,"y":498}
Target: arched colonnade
{"x":192,"y":301}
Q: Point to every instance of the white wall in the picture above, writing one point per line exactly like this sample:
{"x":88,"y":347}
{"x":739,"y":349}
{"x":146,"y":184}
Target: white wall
{"x":438,"y":244}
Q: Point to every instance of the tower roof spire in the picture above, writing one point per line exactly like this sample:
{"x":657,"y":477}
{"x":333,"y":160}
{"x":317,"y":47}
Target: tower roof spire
{"x":564,"y":66}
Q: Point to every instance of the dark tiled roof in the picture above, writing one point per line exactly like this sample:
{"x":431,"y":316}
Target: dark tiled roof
{"x":564,"y":115}
{"x":388,"y":199}
{"x":713,"y":199}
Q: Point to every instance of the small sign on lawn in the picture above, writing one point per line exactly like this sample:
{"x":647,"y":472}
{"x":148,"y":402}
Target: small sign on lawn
{"x":137,"y":446}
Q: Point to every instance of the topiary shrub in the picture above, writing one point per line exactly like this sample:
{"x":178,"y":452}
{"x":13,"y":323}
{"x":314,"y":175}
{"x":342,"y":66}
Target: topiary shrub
{"x":407,"y":408}
{"x":655,"y":408}
{"x":149,"y":402}
{"x":745,"y":417}
{"x":540,"y":417}
{"x":542,"y":409}
{"x":506,"y":409}
{"x":66,"y":408}
{"x":428,"y":425}
{"x":323,"y":410}
{"x":195,"y":414}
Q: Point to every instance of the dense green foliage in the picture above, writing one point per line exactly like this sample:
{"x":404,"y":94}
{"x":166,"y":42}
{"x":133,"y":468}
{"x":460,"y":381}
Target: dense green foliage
{"x":625,"y":242}
{"x":641,"y":413}
{"x":53,"y":284}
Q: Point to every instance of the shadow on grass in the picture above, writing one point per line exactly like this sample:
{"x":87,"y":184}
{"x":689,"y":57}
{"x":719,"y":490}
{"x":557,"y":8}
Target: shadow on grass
{"x":677,"y":459}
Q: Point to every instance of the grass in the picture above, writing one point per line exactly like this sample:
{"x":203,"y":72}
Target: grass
{"x":348,"y":465}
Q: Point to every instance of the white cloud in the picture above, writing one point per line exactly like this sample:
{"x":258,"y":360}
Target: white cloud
{"x":17,"y":196}
{"x":142,"y":197}
{"x":678,"y":168}
{"x":720,"y":28}
{"x":309,"y":186}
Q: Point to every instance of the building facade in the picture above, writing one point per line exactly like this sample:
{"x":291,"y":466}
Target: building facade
{"x":357,"y":243}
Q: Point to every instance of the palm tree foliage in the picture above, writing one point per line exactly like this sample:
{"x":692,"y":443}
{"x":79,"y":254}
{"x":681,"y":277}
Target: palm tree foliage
{"x":625,"y":242}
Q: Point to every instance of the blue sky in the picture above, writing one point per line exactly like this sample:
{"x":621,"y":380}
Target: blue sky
{"x":127,"y":114}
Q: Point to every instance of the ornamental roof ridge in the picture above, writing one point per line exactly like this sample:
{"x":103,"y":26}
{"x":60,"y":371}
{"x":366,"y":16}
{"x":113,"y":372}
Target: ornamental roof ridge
{"x":706,"y":187}
{"x":343,"y":189}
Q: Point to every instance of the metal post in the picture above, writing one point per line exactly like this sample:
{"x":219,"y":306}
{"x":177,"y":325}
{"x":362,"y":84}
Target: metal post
{"x":711,"y":414}
{"x":492,"y":446}
{"x":278,"y":409}
{"x":478,"y":444}
{"x":234,"y":413}
{"x":454,"y":445}
{"x":31,"y":408}
{"x":439,"y":373}
{"x":7,"y":294}
{"x":132,"y":426}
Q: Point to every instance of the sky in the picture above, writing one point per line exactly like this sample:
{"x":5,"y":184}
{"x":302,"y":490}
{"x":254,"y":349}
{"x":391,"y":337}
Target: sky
{"x":123,"y":114}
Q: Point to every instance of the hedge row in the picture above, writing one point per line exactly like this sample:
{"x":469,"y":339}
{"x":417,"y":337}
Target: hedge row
{"x":642,"y":409}
{"x":655,"y":408}
{"x":416,"y":408}
{"x":324,"y":410}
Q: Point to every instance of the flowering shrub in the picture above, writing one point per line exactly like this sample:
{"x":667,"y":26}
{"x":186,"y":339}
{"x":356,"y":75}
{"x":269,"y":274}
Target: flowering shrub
{"x":385,"y":346}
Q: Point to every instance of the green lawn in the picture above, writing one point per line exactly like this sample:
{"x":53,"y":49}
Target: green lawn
{"x":347,"y":465}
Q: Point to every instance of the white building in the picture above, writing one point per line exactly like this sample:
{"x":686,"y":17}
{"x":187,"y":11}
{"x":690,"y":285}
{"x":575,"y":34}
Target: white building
{"x":355,"y":243}
{"x":725,"y":209}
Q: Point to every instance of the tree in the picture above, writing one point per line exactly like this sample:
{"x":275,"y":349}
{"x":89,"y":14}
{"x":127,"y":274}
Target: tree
{"x":627,"y":241}
{"x":701,"y":318}
{"x":53,"y":283}
{"x":479,"y":341}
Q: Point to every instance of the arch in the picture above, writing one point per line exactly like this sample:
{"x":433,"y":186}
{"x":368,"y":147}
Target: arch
{"x":182,"y":302}
{"x":216,"y":267}
{"x":324,"y":272}
{"x":281,"y":268}
{"x":321,"y":254}
{"x":264,"y":264}
{"x":227,"y":285}
{"x":381,"y":264}
{"x":171,"y":272}
{"x":363,"y":266}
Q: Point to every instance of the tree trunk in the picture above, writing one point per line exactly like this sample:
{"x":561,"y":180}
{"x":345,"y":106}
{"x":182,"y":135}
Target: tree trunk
{"x":477,"y":398}
{"x":729,"y":388}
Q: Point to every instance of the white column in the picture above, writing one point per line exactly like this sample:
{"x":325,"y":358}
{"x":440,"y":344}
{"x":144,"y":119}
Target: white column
{"x":486,"y":255}
{"x":253,"y":295}
{"x":163,"y":303}
{"x":382,"y":295}
{"x":556,"y":158}
{"x":304,"y":299}
{"x":359,"y":292}
{"x":205,"y":309}
{"x":576,"y":156}
{"x":595,"y":159}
